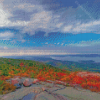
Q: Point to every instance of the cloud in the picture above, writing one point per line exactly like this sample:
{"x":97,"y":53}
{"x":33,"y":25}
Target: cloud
{"x":19,"y":52}
{"x":5,"y":47}
{"x":67,"y":28}
{"x":46,"y":43}
{"x":25,"y":6}
{"x":4,"y":19}
{"x":30,"y":16}
{"x":62,"y":44}
{"x":89,"y":27}
{"x":86,"y":43}
{"x":59,"y":25}
{"x":6,"y":35}
{"x":39,"y":20}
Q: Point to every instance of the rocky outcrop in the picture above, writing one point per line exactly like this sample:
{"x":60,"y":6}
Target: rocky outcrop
{"x":35,"y":81}
{"x":60,"y":82}
{"x":27,"y":82}
{"x":49,"y":91}
{"x":16,"y":81}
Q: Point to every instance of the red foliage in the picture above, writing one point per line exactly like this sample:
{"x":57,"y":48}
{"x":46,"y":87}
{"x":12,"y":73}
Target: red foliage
{"x":41,"y":78}
{"x":21,"y":64}
{"x":78,"y":79}
{"x":60,"y":74}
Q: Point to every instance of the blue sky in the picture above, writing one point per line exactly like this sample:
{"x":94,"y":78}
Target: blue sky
{"x":38,"y":27}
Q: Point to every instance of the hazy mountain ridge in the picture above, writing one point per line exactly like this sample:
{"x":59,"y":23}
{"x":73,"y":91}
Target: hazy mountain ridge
{"x":88,"y":65}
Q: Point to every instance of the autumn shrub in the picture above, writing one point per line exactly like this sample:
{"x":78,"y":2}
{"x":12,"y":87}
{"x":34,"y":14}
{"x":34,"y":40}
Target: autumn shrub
{"x":9,"y":86}
{"x":1,"y":86}
{"x":6,"y":87}
{"x":32,"y":75}
{"x":21,"y":64}
{"x":41,"y":78}
{"x":44,"y":72}
{"x":16,"y":72}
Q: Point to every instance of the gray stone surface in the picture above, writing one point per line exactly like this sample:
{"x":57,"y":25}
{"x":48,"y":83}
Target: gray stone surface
{"x":50,"y":91}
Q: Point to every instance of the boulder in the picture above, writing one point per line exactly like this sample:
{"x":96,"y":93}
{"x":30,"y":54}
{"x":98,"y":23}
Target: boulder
{"x":16,"y":81}
{"x":49,"y":81}
{"x":35,"y":81}
{"x":17,"y":77}
{"x":27,"y":82}
{"x":60,"y":82}
{"x":44,"y":88}
{"x":17,"y":86}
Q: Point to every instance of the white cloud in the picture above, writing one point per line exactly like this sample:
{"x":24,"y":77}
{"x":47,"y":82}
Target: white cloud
{"x":28,"y":7}
{"x":41,"y":18}
{"x":4,"y":15}
{"x":67,"y":28}
{"x":59,"y":25}
{"x":64,"y":21}
{"x":86,"y":43}
{"x":4,"y":19}
{"x":92,"y":26}
{"x":5,"y":47}
{"x":38,"y":20}
{"x":62,"y":44}
{"x":76,"y":28}
{"x":10,"y":52}
{"x":6,"y":35}
{"x":89,"y":24}
{"x":46,"y":43}
{"x":24,"y":6}
{"x":23,"y":40}
{"x":18,"y":23}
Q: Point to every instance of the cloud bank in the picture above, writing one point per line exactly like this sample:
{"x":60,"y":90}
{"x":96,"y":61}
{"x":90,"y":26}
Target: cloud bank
{"x":22,"y":20}
{"x":31,"y":16}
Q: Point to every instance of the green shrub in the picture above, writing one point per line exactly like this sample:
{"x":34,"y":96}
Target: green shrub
{"x":1,"y":82}
{"x":16,"y":72}
{"x":1,"y":86}
{"x":32,"y":75}
{"x":5,"y":73}
{"x":30,"y":64}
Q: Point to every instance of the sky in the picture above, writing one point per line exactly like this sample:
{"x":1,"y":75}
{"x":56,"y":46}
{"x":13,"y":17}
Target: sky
{"x":49,"y":27}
